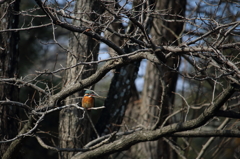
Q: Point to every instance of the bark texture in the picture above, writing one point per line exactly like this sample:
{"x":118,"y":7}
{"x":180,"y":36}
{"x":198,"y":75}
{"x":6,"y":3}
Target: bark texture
{"x":8,"y":69}
{"x":73,"y":132}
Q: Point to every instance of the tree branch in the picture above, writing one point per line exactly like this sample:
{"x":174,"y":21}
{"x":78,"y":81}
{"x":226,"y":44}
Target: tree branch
{"x":20,"y":81}
{"x":14,"y":103}
{"x":81,"y":29}
{"x":148,"y":135}
{"x":212,"y":133}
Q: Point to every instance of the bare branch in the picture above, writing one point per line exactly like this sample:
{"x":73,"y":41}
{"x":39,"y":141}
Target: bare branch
{"x":15,"y":103}
{"x":27,"y":28}
{"x":20,"y":81}
{"x":207,"y":144}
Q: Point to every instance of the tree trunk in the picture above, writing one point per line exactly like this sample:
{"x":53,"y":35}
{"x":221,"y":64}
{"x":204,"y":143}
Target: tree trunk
{"x":73,"y":132}
{"x":8,"y":69}
{"x":159,"y":78}
{"x":122,"y":83}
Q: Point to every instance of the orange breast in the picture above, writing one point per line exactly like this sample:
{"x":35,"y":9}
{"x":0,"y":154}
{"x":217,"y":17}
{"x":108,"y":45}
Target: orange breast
{"x":87,"y":102}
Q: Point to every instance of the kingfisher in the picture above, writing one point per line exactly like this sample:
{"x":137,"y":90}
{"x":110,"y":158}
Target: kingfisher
{"x":88,"y":99}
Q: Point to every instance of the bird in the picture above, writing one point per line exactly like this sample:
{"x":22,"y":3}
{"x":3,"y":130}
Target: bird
{"x":88,"y":99}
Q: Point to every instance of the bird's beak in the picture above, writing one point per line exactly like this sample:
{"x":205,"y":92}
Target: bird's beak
{"x":93,"y":95}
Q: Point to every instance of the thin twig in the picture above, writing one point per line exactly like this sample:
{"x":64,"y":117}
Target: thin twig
{"x":90,"y":120}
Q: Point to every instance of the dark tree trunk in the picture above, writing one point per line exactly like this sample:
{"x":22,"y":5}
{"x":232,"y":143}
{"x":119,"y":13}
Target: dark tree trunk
{"x":118,"y":97}
{"x":8,"y":69}
{"x":122,"y":83}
